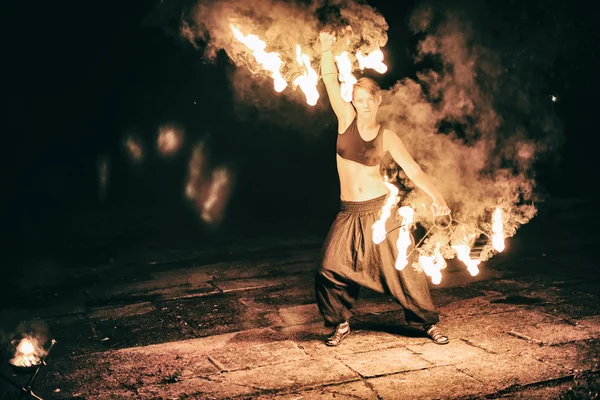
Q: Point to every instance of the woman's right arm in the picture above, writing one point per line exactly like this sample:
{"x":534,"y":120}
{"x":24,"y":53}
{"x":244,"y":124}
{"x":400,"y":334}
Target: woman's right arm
{"x":343,"y":110}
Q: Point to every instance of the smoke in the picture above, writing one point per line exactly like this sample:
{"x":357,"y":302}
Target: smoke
{"x":474,"y":116}
{"x":471,"y":124}
{"x":282,"y":25}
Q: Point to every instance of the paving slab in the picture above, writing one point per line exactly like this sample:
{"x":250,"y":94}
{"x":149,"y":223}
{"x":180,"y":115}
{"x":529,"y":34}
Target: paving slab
{"x":196,"y":388}
{"x":384,"y":361}
{"x":42,"y":308}
{"x":551,"y":333}
{"x":573,"y":307}
{"x":253,"y":283}
{"x":293,"y":375}
{"x":455,"y":352}
{"x":488,"y":334}
{"x":538,"y":393}
{"x":114,"y":313}
{"x":356,"y":390}
{"x":299,"y":315}
{"x":432,"y":383}
{"x":234,"y":358}
{"x":576,"y":357}
{"x":502,"y":372}
{"x":184,"y":292}
{"x":311,"y":338}
{"x":475,"y":306}
{"x":591,"y":323}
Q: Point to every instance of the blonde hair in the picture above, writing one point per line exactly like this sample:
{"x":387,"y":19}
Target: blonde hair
{"x":367,"y":84}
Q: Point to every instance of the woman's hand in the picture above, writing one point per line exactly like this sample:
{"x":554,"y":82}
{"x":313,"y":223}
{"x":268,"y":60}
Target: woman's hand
{"x":327,"y":39}
{"x":439,"y":207}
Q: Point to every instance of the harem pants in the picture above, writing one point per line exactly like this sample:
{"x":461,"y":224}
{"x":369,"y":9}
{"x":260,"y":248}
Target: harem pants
{"x":350,"y":259}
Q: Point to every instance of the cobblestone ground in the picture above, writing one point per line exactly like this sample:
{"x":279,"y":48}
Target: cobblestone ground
{"x":239,"y":320}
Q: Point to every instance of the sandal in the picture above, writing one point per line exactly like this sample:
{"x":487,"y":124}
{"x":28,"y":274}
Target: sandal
{"x":436,"y":335}
{"x":338,"y":334}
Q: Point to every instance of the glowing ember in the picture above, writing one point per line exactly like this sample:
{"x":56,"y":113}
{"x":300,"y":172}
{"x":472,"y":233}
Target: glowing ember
{"x":379,"y":231}
{"x":374,"y":61}
{"x":498,"y":231}
{"x":168,"y":141}
{"x":345,"y":76}
{"x":463,"y":252}
{"x":196,"y":170}
{"x":433,"y":265}
{"x":307,"y":81}
{"x":134,"y":148}
{"x":28,"y":353}
{"x":270,"y":61}
{"x":404,"y":239}
{"x":215,"y":193}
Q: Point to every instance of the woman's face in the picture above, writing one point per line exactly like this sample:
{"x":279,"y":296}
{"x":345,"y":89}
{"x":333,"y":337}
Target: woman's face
{"x":365,"y":103}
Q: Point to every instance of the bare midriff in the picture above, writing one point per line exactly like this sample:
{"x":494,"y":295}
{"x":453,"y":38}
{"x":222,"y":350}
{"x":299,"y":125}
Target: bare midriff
{"x":359,"y":182}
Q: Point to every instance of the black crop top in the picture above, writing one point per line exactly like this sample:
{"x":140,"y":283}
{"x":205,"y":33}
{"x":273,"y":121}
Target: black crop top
{"x":351,"y":146}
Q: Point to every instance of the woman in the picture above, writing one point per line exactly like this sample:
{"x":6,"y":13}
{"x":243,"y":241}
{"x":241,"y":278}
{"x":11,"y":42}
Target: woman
{"x":350,"y":257}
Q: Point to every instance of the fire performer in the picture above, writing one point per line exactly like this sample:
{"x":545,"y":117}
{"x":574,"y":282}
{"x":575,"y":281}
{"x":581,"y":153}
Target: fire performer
{"x":350,"y":258}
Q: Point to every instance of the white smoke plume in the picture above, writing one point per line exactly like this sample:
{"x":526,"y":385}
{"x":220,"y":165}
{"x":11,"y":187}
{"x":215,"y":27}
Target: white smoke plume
{"x":474,"y":130}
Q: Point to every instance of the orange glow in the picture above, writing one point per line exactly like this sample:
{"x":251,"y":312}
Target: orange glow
{"x":28,"y":353}
{"x":216,"y":194}
{"x":134,"y":148}
{"x":169,"y":140}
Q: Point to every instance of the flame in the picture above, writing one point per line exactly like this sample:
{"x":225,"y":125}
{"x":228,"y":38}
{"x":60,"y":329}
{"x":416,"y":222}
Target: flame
{"x":498,"y":231}
{"x":168,"y":140}
{"x":463,"y":252}
{"x":379,"y":231}
{"x":134,"y":148}
{"x":433,"y":265}
{"x":345,"y":76}
{"x":404,"y":239}
{"x":218,"y":182}
{"x":308,"y":80}
{"x":28,"y":353}
{"x":196,"y":171}
{"x":374,"y":61}
{"x":270,"y":61}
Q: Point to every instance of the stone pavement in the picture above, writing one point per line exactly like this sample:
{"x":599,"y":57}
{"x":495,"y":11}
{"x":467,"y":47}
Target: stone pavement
{"x":181,"y":327}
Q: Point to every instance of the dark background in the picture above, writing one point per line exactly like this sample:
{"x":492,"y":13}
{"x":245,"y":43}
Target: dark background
{"x":81,"y":75}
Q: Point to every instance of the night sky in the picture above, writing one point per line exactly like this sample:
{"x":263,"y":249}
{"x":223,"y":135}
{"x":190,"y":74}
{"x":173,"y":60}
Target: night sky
{"x":82,"y":76}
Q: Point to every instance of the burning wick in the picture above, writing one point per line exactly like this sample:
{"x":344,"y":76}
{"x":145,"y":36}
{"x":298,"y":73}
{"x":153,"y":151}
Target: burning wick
{"x":307,"y":81}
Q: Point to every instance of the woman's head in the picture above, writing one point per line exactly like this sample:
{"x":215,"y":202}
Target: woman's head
{"x":366,"y":97}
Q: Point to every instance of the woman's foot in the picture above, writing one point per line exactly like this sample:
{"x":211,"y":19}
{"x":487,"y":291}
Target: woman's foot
{"x":338,"y":334}
{"x":436,"y":334}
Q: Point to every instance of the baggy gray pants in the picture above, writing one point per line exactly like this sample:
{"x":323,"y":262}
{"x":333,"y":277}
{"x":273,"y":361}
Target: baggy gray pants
{"x":350,"y":259}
